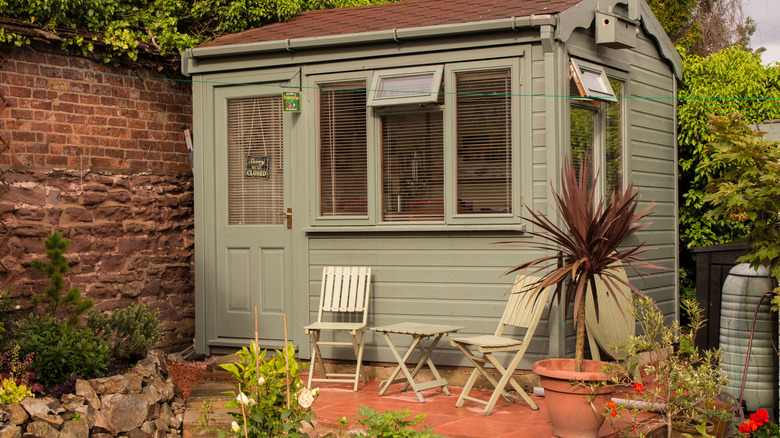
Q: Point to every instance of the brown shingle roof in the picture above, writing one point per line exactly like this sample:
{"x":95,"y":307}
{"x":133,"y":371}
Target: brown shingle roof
{"x":388,"y":16}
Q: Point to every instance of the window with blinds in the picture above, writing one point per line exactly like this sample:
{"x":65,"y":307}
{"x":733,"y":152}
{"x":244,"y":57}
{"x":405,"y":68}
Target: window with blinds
{"x":484,"y":141}
{"x":412,"y":166}
{"x":255,"y":164}
{"x":342,"y":153}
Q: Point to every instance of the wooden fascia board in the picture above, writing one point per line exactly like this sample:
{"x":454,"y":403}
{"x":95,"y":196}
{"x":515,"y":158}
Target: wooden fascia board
{"x":582,"y":15}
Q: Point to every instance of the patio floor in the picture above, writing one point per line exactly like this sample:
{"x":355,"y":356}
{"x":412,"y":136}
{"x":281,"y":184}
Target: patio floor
{"x":338,"y":400}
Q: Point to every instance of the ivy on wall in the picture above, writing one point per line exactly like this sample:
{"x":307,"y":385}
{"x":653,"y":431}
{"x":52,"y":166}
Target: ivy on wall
{"x":159,"y":27}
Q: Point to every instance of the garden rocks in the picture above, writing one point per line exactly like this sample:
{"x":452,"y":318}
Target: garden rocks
{"x":142,"y":403}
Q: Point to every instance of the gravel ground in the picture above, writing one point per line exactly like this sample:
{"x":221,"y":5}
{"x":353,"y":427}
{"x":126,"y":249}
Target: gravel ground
{"x":186,"y":374}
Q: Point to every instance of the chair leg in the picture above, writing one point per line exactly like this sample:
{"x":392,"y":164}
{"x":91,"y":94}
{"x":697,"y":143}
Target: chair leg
{"x":359,"y":355}
{"x":316,"y":356}
{"x":506,"y":377}
{"x":467,"y":388}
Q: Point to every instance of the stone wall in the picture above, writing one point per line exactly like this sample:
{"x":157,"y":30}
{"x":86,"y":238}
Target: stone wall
{"x":142,"y":403}
{"x":97,"y":152}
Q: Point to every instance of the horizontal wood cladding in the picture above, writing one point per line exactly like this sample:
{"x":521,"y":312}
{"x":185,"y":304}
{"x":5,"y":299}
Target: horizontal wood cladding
{"x":446,"y":280}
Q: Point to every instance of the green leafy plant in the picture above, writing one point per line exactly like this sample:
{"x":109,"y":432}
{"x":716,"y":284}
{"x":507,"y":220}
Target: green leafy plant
{"x":8,"y":305}
{"x":123,"y":30}
{"x":131,"y":331}
{"x":665,"y":372}
{"x":747,"y":188}
{"x":727,"y":82}
{"x":590,"y":243}
{"x":55,"y":269}
{"x":392,"y":424}
{"x":270,"y":399}
{"x":61,"y":350}
{"x":11,"y":392}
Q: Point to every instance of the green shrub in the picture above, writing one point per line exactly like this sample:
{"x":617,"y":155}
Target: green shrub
{"x":55,"y":269}
{"x":10,"y":392}
{"x":392,"y":424}
{"x":131,"y":331}
{"x":61,"y":351}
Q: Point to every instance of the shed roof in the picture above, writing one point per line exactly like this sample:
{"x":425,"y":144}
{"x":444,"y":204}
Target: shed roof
{"x":406,"y":14}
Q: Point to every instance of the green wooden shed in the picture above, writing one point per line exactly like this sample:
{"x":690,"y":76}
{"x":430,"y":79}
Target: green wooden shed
{"x":408,"y":137}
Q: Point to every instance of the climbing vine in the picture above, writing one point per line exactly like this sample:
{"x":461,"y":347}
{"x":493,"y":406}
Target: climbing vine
{"x":124,"y":29}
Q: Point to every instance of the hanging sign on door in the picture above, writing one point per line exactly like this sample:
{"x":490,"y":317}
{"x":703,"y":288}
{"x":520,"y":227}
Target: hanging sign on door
{"x":256,"y":167}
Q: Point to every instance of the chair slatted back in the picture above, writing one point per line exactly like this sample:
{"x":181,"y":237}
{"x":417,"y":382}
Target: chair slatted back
{"x":524,"y":308}
{"x":345,"y":289}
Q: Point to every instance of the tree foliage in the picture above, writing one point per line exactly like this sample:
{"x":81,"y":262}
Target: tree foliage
{"x":704,"y":26}
{"x":747,"y":188}
{"x":126,"y":27}
{"x":730,"y":81}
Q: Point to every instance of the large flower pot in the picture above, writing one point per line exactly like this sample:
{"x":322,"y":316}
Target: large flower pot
{"x":575,"y":411}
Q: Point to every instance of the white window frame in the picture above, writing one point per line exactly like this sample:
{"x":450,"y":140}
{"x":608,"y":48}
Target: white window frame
{"x":429,"y":96}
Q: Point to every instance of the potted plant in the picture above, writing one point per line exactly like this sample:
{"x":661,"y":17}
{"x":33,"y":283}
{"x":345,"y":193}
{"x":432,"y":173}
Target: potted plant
{"x":587,"y":244}
{"x":667,"y":374}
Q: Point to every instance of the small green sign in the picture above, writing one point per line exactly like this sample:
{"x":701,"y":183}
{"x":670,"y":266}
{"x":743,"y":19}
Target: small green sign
{"x":291,"y":101}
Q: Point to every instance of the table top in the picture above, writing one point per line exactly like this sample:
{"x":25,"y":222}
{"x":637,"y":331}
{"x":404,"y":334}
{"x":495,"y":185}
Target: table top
{"x":414,"y":328}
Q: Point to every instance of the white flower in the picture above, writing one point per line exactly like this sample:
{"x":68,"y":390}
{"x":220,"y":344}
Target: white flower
{"x":315,"y":391}
{"x":305,"y":398}
{"x":18,"y":307}
{"x":260,"y":380}
{"x":244,"y":400}
{"x":235,"y":427}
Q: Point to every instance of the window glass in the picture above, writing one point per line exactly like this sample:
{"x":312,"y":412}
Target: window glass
{"x":405,"y":86}
{"x":412,"y":166}
{"x":614,"y":140}
{"x":343,"y":147}
{"x":591,"y":81}
{"x":484,"y":142}
{"x":582,"y":134}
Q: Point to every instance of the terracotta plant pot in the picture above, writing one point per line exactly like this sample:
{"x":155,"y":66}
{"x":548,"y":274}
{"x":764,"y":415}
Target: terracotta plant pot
{"x":575,"y":410}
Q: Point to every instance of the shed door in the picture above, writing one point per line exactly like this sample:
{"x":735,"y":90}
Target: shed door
{"x":252,"y":239}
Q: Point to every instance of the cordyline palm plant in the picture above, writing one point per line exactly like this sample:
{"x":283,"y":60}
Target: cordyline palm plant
{"x":586,"y":245}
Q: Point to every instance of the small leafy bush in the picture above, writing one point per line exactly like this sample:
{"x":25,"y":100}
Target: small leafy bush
{"x":131,"y":331}
{"x":61,"y":350}
{"x":10,"y":392}
{"x":392,"y":424}
{"x":266,"y":406}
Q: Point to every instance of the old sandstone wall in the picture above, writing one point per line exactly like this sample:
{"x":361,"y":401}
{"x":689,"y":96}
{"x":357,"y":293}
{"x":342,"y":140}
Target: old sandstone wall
{"x":97,"y":152}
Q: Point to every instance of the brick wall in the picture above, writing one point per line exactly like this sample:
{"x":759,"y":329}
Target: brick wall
{"x":97,"y":152}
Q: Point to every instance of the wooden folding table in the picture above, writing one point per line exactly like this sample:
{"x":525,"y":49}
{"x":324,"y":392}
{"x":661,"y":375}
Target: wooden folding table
{"x":419,"y":332}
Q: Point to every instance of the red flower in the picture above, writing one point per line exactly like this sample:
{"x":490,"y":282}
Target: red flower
{"x":611,"y":405}
{"x":760,"y":417}
{"x":638,"y":387}
{"x":613,"y":413}
{"x":745,"y":427}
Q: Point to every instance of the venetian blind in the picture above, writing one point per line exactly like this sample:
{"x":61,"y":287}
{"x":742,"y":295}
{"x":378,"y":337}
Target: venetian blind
{"x":254,"y":144}
{"x":343,"y":159}
{"x":484,"y":141}
{"x":412,"y":166}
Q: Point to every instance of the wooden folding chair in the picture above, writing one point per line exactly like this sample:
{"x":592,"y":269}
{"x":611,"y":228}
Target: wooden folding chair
{"x":616,"y":324}
{"x":523,"y":310}
{"x":343,"y":307}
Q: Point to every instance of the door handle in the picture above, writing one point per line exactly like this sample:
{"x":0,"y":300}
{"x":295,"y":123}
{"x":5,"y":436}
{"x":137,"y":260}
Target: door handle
{"x":288,"y":214}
